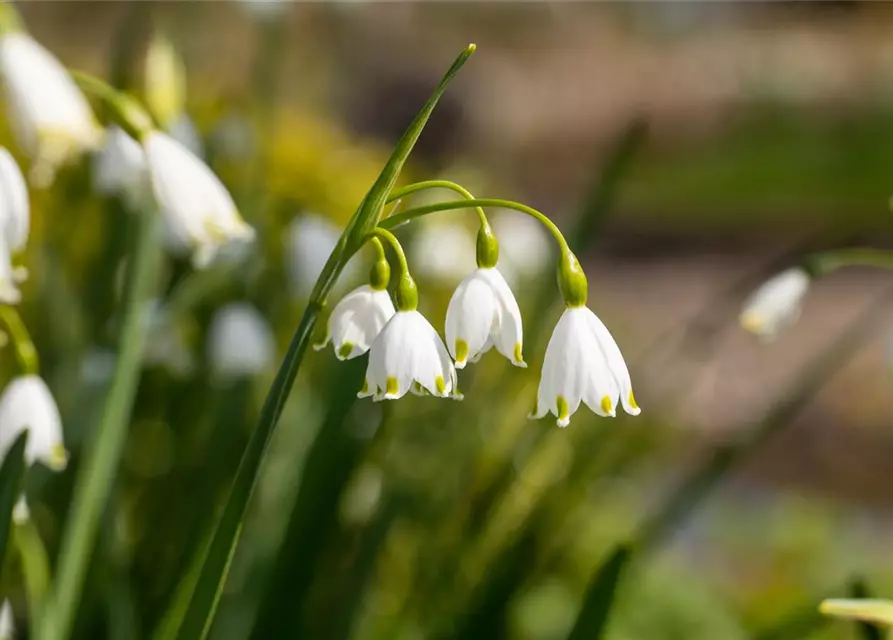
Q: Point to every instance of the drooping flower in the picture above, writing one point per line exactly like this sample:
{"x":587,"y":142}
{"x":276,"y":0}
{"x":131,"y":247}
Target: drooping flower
{"x":50,"y":117}
{"x":357,"y":320}
{"x":776,"y":304}
{"x":197,"y":207}
{"x":7,"y":621}
{"x":408,"y":355}
{"x":27,"y":404}
{"x":119,"y":168}
{"x":14,"y":225}
{"x":240,"y":341}
{"x":583,"y":363}
{"x":483,"y":313}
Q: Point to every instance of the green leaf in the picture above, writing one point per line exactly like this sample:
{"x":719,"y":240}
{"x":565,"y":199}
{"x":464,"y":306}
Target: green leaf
{"x":593,"y":617}
{"x":11,"y":473}
{"x":200,"y":614}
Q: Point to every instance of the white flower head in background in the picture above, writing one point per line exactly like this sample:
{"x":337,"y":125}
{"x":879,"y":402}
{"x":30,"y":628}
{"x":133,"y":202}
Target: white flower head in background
{"x":408,"y":355}
{"x":120,"y":168}
{"x":442,"y":251}
{"x":776,"y":304}
{"x":50,"y":117}
{"x":583,"y":363}
{"x":525,"y":248}
{"x":309,"y":242}
{"x":7,"y":621}
{"x":483,"y":313}
{"x":357,"y":320}
{"x":27,"y":404}
{"x":240,"y":341}
{"x":15,"y":219}
{"x":197,"y":208}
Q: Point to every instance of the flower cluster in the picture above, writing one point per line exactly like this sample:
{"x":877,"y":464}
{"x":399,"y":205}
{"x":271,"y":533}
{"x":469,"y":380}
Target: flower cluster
{"x":406,"y":354}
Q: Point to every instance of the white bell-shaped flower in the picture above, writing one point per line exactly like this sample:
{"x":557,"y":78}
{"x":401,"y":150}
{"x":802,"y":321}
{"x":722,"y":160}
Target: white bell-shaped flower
{"x":357,"y":320}
{"x":408,"y":355}
{"x":482,"y":313}
{"x":240,"y":341}
{"x":776,"y":304}
{"x":14,"y":225}
{"x":49,"y":115}
{"x":7,"y":621}
{"x":119,"y":168}
{"x":27,"y":403}
{"x":198,"y":209}
{"x":583,"y":363}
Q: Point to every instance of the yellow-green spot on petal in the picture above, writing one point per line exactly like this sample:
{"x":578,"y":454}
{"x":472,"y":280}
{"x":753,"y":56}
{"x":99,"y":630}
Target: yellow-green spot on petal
{"x":606,"y":404}
{"x":752,"y":322}
{"x":58,"y":457}
{"x":461,"y":350}
{"x":518,"y":356}
{"x":440,"y":385}
{"x":564,"y":410}
{"x":391,"y":386}
{"x":632,"y":401}
{"x":365,"y":388}
{"x":344,"y":350}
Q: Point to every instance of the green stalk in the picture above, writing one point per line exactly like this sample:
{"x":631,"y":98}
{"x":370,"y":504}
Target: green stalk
{"x":26,"y":354}
{"x":200,"y":614}
{"x":821,"y":263}
{"x":398,"y":194}
{"x":96,"y":472}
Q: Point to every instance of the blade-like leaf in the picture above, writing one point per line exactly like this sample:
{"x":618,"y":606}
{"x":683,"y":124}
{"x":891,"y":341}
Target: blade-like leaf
{"x":11,"y":473}
{"x":593,"y":617}
{"x":197,"y":621}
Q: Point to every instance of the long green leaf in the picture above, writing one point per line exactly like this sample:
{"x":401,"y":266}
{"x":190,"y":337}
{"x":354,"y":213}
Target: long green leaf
{"x":35,"y":566}
{"x":198,"y":618}
{"x":97,"y":470}
{"x":11,"y":473}
{"x":593,"y":617}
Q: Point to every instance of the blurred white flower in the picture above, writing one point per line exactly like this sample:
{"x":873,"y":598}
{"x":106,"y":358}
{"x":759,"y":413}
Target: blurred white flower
{"x":309,"y":242}
{"x":357,"y":320}
{"x":408,"y":355}
{"x":197,"y":207}
{"x":50,"y":117}
{"x":583,"y":363}
{"x":7,"y":621}
{"x":240,"y":341}
{"x":525,"y":247}
{"x":776,"y":304}
{"x":14,"y":225}
{"x":27,"y":404}
{"x":442,"y":251}
{"x":120,"y":168}
{"x":183,"y":130}
{"x":482,"y":313}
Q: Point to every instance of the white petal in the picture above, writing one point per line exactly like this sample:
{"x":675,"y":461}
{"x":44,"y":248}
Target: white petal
{"x":357,"y":319}
{"x":776,"y":303}
{"x":7,"y":621}
{"x":14,"y":207}
{"x":470,"y":317}
{"x":615,"y":362}
{"x":120,"y":167}
{"x":27,"y":403}
{"x":9,"y":292}
{"x":240,"y":341}
{"x":508,"y":336}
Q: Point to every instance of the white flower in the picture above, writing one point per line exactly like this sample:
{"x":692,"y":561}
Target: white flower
{"x":409,"y":355}
{"x":197,"y":207}
{"x":583,"y":363}
{"x":27,"y":403}
{"x":240,"y":341}
{"x":525,"y":247}
{"x":120,"y":168}
{"x":183,"y":130}
{"x":482,"y":313}
{"x":49,"y":115}
{"x":356,"y":321}
{"x":310,"y":240}
{"x":442,"y":251}
{"x":14,"y":225}
{"x":776,"y":304}
{"x":7,"y":621}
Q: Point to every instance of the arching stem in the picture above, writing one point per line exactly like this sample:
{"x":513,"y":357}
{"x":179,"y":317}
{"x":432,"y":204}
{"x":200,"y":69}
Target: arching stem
{"x":437,"y":184}
{"x":21,"y":340}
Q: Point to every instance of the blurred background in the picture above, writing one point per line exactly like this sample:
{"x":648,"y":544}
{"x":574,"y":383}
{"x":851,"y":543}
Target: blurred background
{"x":689,"y":151}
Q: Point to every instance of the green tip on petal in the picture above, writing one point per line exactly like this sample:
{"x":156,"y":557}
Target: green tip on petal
{"x":440,"y":385}
{"x":344,"y":350}
{"x":58,"y":459}
{"x":632,"y":402}
{"x":461,"y":351}
{"x":392,"y":388}
{"x":564,"y":411}
{"x":606,"y":405}
{"x":519,"y":357}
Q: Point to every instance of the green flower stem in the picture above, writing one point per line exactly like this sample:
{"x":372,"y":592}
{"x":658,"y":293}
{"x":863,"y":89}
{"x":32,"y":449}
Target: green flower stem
{"x":102,"y":455}
{"x":821,"y":263}
{"x":35,"y":567}
{"x":378,"y":234}
{"x":417,"y":212}
{"x":124,"y":110}
{"x":437,"y":184}
{"x":26,"y":354}
{"x":406,"y":294}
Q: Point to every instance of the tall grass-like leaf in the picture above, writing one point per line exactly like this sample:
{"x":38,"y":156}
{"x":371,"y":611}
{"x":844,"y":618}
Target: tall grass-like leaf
{"x":99,"y":465}
{"x":11,"y":473}
{"x":593,"y":617}
{"x":198,"y":618}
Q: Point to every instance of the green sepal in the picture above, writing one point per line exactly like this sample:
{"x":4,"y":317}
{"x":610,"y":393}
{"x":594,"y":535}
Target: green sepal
{"x":487,"y":248}
{"x":124,"y":110}
{"x":571,"y":280}
{"x":380,"y":274}
{"x":407,"y":293}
